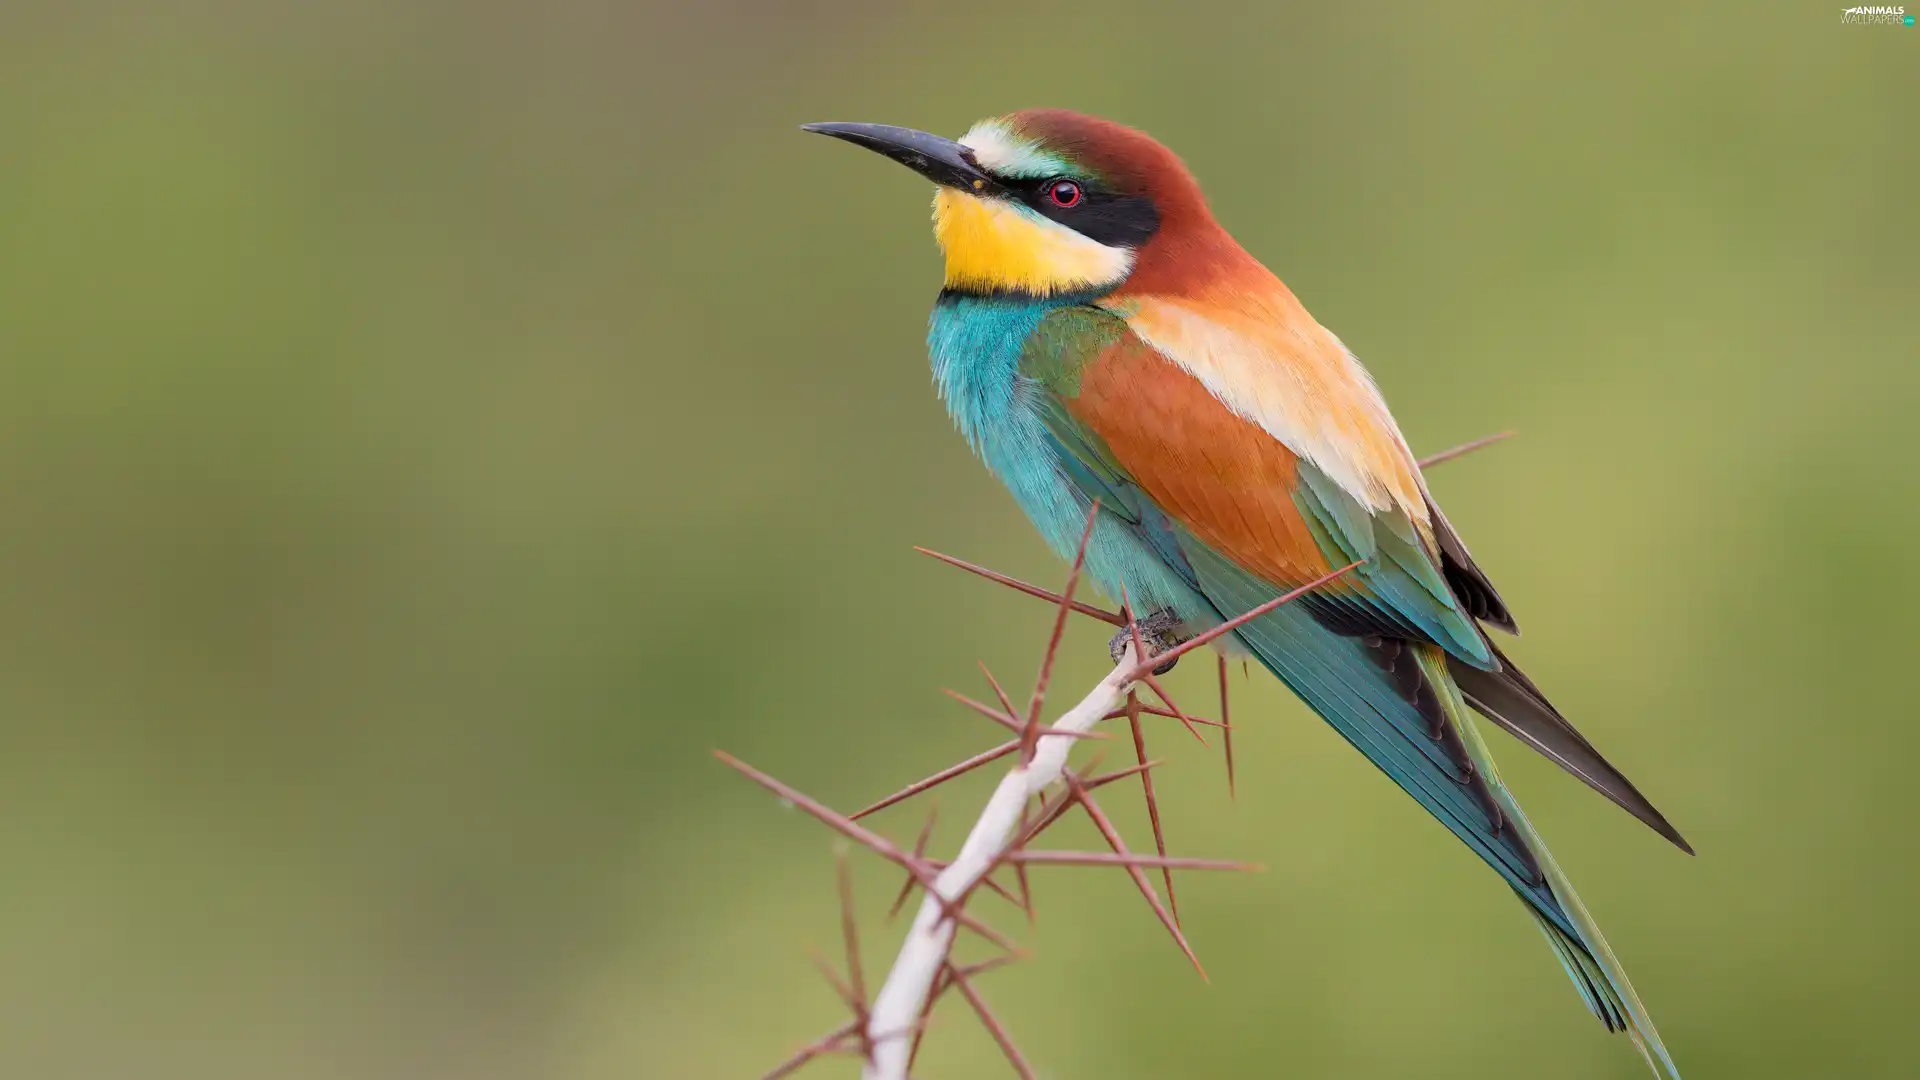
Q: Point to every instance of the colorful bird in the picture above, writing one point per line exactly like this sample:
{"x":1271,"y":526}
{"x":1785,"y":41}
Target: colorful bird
{"x":1101,"y":337}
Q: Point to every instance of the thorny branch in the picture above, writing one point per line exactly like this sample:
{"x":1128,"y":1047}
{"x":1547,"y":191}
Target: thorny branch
{"x":885,"y":1034}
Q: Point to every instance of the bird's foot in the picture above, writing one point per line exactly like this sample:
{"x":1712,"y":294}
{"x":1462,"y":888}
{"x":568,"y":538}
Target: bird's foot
{"x":1159,"y":632}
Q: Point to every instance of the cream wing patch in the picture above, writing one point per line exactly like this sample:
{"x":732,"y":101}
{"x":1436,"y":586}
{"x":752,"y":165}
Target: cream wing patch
{"x":1283,"y":371}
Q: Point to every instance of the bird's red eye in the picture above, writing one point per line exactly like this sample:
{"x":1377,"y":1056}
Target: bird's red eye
{"x":1064,"y":193}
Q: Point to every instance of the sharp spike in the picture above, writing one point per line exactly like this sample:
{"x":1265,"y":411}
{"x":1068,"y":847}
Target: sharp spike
{"x":940,"y":777}
{"x":826,"y":1044}
{"x":919,"y":852}
{"x":991,"y":963}
{"x":1017,"y":585}
{"x":938,"y":988}
{"x":1226,"y":727}
{"x":1107,"y":858}
{"x":1465,"y":448}
{"x":1032,"y":734}
{"x":854,"y":831}
{"x":1153,"y":683}
{"x":999,"y":693}
{"x":1157,"y":710}
{"x":840,"y":823}
{"x":1001,"y":891}
{"x":850,"y":933}
{"x":1049,"y":815}
{"x":1105,"y":825}
{"x":1153,"y":804}
{"x":991,"y":1023}
{"x":1094,"y":783}
{"x":1145,"y":667}
{"x":999,"y":940}
{"x":1020,"y":874}
{"x":1014,"y":723}
{"x":840,"y":987}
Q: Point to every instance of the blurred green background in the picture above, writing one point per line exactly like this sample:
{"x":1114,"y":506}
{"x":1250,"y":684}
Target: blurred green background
{"x":426,"y":430}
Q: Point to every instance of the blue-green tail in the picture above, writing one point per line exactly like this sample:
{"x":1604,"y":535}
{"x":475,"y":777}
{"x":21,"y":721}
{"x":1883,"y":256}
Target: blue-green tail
{"x":1585,"y":955}
{"x":1398,"y":705}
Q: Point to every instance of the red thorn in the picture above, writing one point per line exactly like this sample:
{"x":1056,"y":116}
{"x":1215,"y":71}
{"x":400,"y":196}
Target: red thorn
{"x":940,"y":777}
{"x":840,"y":987}
{"x":926,"y":831}
{"x":1032,"y":734}
{"x":1226,"y":727}
{"x":1103,"y":858}
{"x":1048,"y":815}
{"x":826,"y":1044}
{"x":1004,"y":943}
{"x":1146,"y":788}
{"x":990,"y":963}
{"x":1017,"y":585}
{"x":900,"y":898}
{"x":840,"y":823}
{"x":992,"y":1024}
{"x":1001,"y":891}
{"x":1465,"y":448}
{"x":1105,"y":825}
{"x":942,"y":982}
{"x":881,"y":845}
{"x":1157,"y":710}
{"x":1006,"y":703}
{"x":1094,"y":783}
{"x":851,"y":933}
{"x":1026,"y":836}
{"x":1153,"y":683}
{"x":856,"y":978}
{"x":1014,"y":723}
{"x":938,"y":988}
{"x":1145,"y":667}
{"x":919,"y":852}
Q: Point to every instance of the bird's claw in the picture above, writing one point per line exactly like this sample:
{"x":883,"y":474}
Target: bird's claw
{"x":1159,"y":632}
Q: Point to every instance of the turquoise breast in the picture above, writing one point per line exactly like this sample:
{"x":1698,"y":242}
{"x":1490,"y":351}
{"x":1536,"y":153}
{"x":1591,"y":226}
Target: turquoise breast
{"x":975,"y":343}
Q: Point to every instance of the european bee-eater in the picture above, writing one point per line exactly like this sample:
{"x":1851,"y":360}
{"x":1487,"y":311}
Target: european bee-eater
{"x":1101,"y":337}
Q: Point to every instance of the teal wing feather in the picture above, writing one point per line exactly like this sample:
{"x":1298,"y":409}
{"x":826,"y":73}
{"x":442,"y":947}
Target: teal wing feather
{"x":1344,"y":679}
{"x":1405,"y":590}
{"x":1340,"y":679}
{"x":1372,"y":662}
{"x":1364,"y":686}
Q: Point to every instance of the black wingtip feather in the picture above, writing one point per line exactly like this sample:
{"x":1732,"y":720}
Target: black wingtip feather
{"x":1470,"y":584}
{"x":1508,"y":698}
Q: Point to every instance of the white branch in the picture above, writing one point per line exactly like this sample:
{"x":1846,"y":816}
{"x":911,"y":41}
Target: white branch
{"x":897,"y":1009}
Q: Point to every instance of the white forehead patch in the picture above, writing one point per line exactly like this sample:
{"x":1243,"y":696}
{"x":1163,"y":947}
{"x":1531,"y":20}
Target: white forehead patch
{"x":999,"y":149}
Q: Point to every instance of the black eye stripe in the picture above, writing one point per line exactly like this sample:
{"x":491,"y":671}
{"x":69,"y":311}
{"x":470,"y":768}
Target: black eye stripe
{"x":1105,"y":217}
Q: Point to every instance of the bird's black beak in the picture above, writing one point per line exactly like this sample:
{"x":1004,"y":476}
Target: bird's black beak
{"x":942,"y":161}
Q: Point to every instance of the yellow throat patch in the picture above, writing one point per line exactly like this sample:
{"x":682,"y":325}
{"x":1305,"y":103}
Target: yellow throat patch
{"x":992,"y":244}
